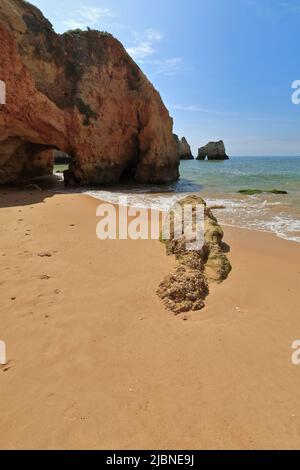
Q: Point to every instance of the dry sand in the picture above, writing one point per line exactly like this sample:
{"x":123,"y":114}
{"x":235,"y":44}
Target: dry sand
{"x":95,"y":361}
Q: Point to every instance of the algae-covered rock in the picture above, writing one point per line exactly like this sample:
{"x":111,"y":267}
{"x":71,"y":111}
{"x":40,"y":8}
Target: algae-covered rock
{"x":187,"y":287}
{"x":252,"y":192}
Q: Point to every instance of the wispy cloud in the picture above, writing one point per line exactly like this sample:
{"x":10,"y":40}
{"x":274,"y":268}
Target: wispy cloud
{"x":229,"y":116}
{"x":165,"y":66}
{"x":145,"y":47}
{"x":144,"y":44}
{"x":88,"y":16}
{"x":153,"y":35}
{"x":193,"y":108}
{"x":142,"y":50}
{"x":171,"y":66}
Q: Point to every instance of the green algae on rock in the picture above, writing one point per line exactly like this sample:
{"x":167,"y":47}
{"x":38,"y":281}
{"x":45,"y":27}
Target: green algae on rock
{"x":252,"y":192}
{"x":187,"y":287}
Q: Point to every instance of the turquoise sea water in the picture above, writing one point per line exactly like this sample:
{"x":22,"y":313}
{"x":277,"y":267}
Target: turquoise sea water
{"x":219,"y":183}
{"x":244,"y":172}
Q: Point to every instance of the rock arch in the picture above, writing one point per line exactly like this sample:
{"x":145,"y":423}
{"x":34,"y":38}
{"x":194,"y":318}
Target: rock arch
{"x":81,"y":93}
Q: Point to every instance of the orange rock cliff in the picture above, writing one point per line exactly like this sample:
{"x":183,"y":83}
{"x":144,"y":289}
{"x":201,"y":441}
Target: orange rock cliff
{"x":81,"y":93}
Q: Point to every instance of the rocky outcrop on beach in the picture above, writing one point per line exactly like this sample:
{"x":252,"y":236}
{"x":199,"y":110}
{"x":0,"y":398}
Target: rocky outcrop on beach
{"x":187,"y":287}
{"x":184,"y":148}
{"x":82,"y":94}
{"x":213,"y":151}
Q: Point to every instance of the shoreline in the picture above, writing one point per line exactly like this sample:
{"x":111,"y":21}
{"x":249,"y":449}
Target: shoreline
{"x":283,"y":225}
{"x":97,"y":362}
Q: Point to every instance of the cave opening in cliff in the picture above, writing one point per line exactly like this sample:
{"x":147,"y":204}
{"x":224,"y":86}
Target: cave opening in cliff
{"x":61,"y":162}
{"x":24,"y":161}
{"x":128,"y":174}
{"x":129,"y":170}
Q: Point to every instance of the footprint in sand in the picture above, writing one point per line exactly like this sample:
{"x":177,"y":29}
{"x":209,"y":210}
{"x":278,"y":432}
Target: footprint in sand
{"x":6,"y":367}
{"x":25,"y":314}
{"x":69,"y":409}
{"x":45,"y":254}
{"x":72,"y":412}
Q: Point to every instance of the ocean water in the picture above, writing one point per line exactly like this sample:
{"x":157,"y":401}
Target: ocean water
{"x":219,"y":183}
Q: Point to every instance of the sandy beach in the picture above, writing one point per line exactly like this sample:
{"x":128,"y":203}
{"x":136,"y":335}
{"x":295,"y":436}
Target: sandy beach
{"x":97,"y":362}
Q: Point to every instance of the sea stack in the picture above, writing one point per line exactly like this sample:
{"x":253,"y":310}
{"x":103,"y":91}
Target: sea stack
{"x":82,"y":94}
{"x":213,"y":151}
{"x":183,"y":148}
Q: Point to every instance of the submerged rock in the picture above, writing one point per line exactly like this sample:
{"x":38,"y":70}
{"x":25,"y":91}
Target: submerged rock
{"x":187,"y":287}
{"x":213,"y":151}
{"x":184,"y":148}
{"x":252,"y":192}
{"x":82,"y":94}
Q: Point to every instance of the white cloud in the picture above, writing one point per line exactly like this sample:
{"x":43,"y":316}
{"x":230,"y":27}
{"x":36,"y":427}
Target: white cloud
{"x":166,"y":67}
{"x":171,"y":66}
{"x":153,"y":35}
{"x":194,"y":108}
{"x":142,"y":50}
{"x":88,"y":16}
{"x":144,"y":44}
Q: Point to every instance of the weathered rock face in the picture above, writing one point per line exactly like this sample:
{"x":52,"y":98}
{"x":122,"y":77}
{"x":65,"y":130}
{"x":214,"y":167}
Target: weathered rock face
{"x":81,"y":93}
{"x":213,"y":151}
{"x":183,"y":148}
{"x":187,"y":287}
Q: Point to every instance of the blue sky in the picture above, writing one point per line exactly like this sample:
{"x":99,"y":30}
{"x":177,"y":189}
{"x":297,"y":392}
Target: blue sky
{"x":224,"y":68}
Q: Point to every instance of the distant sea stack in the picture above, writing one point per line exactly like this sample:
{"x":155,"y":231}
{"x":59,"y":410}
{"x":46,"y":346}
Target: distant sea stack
{"x":213,"y":151}
{"x":184,"y":148}
{"x":82,"y":94}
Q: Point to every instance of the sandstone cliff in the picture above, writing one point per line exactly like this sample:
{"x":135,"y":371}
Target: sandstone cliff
{"x":80,"y":93}
{"x":183,"y":148}
{"x":213,"y":151}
